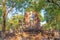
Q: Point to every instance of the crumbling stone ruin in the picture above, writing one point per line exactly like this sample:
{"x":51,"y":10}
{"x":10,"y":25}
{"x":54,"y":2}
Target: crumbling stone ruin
{"x":31,"y":20}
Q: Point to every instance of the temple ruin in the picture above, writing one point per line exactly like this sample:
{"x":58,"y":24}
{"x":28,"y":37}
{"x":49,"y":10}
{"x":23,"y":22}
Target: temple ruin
{"x":31,"y":21}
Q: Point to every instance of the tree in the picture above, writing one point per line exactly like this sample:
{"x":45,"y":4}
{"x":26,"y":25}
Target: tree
{"x":5,"y":12}
{"x":52,"y":13}
{"x":8,"y":6}
{"x":15,"y":21}
{"x":4,"y":17}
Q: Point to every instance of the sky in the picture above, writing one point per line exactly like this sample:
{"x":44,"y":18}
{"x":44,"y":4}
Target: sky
{"x":42,"y":14}
{"x":14,"y":10}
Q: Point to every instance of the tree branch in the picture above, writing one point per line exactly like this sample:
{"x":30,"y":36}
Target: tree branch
{"x":54,"y":2}
{"x":10,"y":8}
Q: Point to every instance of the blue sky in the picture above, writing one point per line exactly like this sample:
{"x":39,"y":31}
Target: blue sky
{"x":14,"y":10}
{"x":42,"y":14}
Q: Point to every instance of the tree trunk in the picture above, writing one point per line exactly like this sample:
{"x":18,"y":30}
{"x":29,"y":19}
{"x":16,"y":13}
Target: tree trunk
{"x":4,"y":17}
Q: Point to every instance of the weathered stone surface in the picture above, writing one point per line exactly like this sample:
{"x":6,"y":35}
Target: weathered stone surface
{"x":31,"y":20}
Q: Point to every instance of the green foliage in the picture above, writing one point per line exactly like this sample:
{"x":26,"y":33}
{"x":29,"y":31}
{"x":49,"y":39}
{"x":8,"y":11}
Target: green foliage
{"x":0,"y":11}
{"x":35,"y":5}
{"x":52,"y":16}
{"x":40,"y":17}
{"x":15,"y":20}
{"x":0,"y":15}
